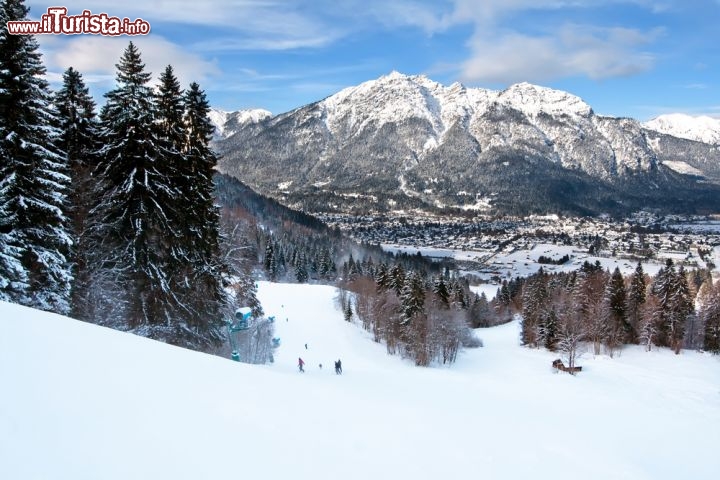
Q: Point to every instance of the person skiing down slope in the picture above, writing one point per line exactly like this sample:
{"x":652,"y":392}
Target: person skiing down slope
{"x":338,"y":367}
{"x":300,"y":364}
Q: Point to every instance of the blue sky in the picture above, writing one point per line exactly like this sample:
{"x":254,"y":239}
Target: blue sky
{"x":637,"y":58}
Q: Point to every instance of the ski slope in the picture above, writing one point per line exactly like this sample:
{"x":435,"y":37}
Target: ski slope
{"x":83,"y":402}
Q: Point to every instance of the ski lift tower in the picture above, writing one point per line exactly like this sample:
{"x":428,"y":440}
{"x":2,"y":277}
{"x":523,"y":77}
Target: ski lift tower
{"x":242,"y":317}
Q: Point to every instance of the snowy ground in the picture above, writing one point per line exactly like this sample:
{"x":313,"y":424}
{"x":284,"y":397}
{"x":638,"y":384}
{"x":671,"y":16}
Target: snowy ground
{"x":83,"y":402}
{"x":524,"y":262}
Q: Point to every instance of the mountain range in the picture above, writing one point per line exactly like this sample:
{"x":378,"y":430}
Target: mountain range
{"x":227,"y":123}
{"x":403,"y":142}
{"x":701,"y":129}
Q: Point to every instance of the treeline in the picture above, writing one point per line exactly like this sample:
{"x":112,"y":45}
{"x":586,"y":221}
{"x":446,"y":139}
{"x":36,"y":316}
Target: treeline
{"x":291,"y":246}
{"x":562,"y":311}
{"x":109,"y":218}
{"x":426,"y":318}
{"x":551,"y":261}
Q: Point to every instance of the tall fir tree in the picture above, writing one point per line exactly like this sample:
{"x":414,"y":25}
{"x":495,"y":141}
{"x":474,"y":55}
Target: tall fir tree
{"x":133,"y":218}
{"x":179,"y":266}
{"x":202,"y":214}
{"x":635,"y":298}
{"x":441,"y":292}
{"x":34,"y":241}
{"x":79,"y":138}
{"x":614,"y":307}
{"x":412,"y":297}
{"x":682,"y":308}
{"x":534,"y":310}
{"x":710,"y":314}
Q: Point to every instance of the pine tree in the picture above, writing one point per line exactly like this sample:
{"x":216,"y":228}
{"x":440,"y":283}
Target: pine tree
{"x":397,"y":278}
{"x":635,"y":298}
{"x":34,"y":239}
{"x":269,"y":259}
{"x":440,"y":290}
{"x":675,"y":305}
{"x":412,"y":297}
{"x":200,"y":217}
{"x":534,"y":310}
{"x":135,"y":218}
{"x":347,"y":313}
{"x":301,"y":274}
{"x":480,"y":313}
{"x":682,"y":309}
{"x":618,"y":330}
{"x":383,"y":280}
{"x":710,"y":315}
{"x":504,"y":294}
{"x":79,"y":138}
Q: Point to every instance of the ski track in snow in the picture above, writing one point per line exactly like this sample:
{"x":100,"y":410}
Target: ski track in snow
{"x":84,"y":402}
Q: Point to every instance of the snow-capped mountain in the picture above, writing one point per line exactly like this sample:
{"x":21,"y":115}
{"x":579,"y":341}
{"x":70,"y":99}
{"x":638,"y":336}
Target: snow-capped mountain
{"x":407,"y":141}
{"x":227,"y":123}
{"x":700,"y":129}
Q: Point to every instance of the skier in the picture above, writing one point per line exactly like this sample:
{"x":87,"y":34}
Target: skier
{"x":306,"y":346}
{"x":300,"y":364}
{"x":338,"y":367}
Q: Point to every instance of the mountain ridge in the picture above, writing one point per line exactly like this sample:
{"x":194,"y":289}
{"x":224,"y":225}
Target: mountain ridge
{"x":698,"y":128}
{"x":408,"y":142}
{"x":226,"y":123}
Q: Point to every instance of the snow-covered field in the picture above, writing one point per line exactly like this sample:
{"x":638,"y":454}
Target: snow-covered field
{"x":83,"y":402}
{"x":524,"y":262}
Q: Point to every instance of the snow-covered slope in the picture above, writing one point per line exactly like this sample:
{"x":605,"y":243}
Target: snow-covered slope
{"x":700,"y":129}
{"x":227,"y":123}
{"x":84,"y":402}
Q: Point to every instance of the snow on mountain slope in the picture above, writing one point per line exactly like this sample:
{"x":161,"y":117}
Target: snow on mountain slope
{"x":408,"y":142}
{"x":84,"y":402}
{"x":533,"y":99}
{"x":397,"y":97}
{"x":227,"y":123}
{"x":700,"y":129}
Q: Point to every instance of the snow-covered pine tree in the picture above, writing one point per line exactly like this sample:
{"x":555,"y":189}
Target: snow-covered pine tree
{"x":79,"y":138}
{"x":662,"y":289}
{"x":618,"y":330}
{"x":200,"y":232}
{"x":34,"y":241}
{"x":710,"y":315}
{"x":397,"y":278}
{"x":682,"y":308}
{"x":534,"y":310}
{"x":504,"y":294}
{"x":135,"y":219}
{"x":348,"y":313}
{"x":383,"y":280}
{"x":441,"y":292}
{"x":480,"y":314}
{"x":412,"y":297}
{"x":301,"y":274}
{"x":634,"y":298}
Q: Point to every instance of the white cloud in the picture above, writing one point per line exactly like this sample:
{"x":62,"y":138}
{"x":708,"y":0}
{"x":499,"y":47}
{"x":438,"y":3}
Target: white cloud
{"x":695,"y":86}
{"x":573,"y":50}
{"x":95,"y":57}
{"x":499,"y":51}
{"x":240,"y":24}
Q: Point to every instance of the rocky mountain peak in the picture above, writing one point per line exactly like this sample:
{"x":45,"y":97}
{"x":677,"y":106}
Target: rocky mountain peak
{"x":700,"y":129}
